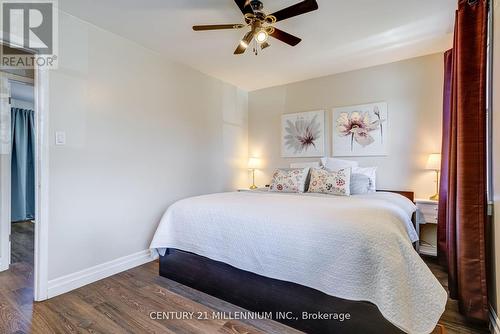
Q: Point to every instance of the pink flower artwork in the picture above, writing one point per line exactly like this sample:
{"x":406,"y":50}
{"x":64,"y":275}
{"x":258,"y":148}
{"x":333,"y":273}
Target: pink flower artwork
{"x":303,"y":134}
{"x":359,"y":125}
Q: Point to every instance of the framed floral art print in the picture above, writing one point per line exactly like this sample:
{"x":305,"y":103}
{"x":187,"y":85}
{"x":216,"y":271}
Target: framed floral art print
{"x":303,"y":134}
{"x":360,"y":130}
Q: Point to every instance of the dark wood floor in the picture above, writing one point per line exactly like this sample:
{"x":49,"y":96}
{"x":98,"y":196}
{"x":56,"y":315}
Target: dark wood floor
{"x":123,"y":303}
{"x":23,"y":242}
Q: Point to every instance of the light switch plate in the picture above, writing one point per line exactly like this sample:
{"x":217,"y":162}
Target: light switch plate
{"x":60,"y":138}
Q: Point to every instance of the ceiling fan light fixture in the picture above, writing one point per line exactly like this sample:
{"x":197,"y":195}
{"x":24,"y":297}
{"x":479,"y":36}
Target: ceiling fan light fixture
{"x":244,"y":44}
{"x":261,"y":24}
{"x":261,"y":36}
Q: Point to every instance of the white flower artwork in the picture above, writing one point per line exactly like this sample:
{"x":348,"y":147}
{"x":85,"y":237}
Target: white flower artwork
{"x":360,"y":130}
{"x":303,"y":134}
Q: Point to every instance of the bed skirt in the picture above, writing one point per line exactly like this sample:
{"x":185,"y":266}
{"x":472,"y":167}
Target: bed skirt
{"x":292,"y":304}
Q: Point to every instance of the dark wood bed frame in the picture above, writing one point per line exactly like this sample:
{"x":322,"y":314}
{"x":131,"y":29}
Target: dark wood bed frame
{"x":262,"y":294}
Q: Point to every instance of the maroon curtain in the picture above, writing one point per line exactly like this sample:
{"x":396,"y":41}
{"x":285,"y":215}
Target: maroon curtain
{"x":463,"y":202}
{"x":445,"y":163}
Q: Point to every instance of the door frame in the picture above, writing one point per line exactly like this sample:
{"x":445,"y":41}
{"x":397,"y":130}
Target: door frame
{"x":5,"y":196}
{"x":42,"y":184}
{"x":41,"y":102}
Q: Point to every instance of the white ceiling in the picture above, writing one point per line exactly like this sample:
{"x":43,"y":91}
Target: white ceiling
{"x":342,"y":35}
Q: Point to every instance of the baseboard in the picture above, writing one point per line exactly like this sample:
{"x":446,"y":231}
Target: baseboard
{"x":3,"y":267}
{"x":76,"y":280}
{"x":494,"y":322}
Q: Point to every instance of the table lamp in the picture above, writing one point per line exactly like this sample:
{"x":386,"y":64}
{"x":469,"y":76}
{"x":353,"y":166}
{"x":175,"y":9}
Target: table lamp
{"x":434,"y":163}
{"x":253,"y":164}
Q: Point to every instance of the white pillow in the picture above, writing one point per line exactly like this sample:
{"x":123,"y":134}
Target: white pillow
{"x":360,"y":184}
{"x":325,"y":181}
{"x":304,"y":164}
{"x":336,"y":164}
{"x":371,"y":173}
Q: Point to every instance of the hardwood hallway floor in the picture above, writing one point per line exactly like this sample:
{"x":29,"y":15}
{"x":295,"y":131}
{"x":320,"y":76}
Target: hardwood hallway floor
{"x":123,"y":303}
{"x":23,"y":242}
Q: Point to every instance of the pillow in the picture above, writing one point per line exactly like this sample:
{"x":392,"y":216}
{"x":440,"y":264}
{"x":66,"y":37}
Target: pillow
{"x":330,"y":182}
{"x":289,"y":180}
{"x":360,"y":184}
{"x":371,"y":173}
{"x":336,"y":164}
{"x":304,"y":164}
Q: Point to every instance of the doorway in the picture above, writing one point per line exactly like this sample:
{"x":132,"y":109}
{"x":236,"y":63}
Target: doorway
{"x":22,"y":189}
{"x":23,"y":162}
{"x":17,"y":186}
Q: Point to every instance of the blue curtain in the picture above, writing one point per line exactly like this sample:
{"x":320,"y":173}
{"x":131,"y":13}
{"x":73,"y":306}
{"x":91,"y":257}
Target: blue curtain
{"x":23,"y":167}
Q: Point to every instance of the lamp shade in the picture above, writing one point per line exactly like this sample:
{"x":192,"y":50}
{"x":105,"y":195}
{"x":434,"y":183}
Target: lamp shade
{"x":433,"y":162}
{"x":254,"y":163}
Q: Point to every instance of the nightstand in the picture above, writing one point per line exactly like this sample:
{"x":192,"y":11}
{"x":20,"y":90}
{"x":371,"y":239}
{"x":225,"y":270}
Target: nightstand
{"x":427,"y":219}
{"x":260,"y":189}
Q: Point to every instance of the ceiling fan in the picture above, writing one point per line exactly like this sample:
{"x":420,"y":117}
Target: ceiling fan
{"x":261,"y":24}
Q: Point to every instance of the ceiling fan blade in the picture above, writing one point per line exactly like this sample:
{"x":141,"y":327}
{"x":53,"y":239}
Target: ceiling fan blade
{"x":218,"y":27}
{"x":300,"y":8}
{"x":285,"y":37}
{"x":244,"y":6}
{"x":244,"y":43}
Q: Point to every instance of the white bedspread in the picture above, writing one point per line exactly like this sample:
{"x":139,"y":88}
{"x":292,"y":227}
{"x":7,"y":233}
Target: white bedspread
{"x":356,"y":248}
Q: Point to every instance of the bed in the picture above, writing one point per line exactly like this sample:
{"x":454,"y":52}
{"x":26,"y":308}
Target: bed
{"x":295,"y":253}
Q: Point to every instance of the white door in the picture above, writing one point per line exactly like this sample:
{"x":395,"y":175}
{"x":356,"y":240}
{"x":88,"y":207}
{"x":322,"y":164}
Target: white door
{"x":5,"y":170}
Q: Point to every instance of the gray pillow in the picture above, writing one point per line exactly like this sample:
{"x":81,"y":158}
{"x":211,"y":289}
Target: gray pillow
{"x":360,"y":184}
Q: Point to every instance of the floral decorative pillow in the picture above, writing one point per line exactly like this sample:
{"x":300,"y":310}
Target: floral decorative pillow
{"x":330,"y":182}
{"x":291,"y":180}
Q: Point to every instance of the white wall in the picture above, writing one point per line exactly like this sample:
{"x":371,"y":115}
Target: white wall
{"x":413,"y":90}
{"x":23,"y":95}
{"x":22,"y":104}
{"x":142,"y":132}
